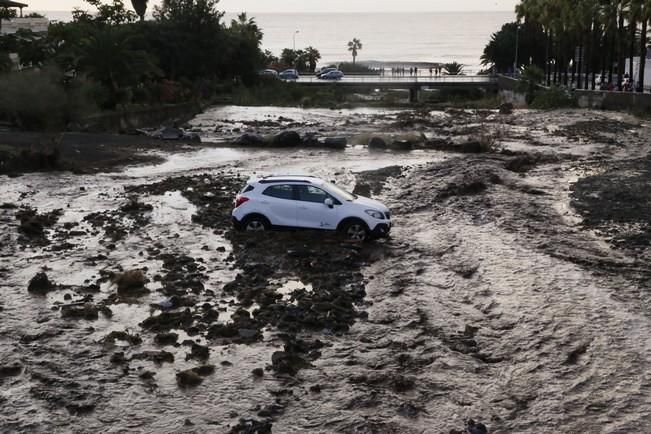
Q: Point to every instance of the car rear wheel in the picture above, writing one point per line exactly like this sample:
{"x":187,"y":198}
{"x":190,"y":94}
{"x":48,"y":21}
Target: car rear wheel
{"x":355,"y":230}
{"x":255,"y":224}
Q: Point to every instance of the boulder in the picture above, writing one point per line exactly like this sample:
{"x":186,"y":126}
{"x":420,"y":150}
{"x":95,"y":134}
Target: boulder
{"x":40,"y":284}
{"x":401,"y":145}
{"x":311,"y":140}
{"x":335,"y":142}
{"x":250,"y":139}
{"x":376,"y":144}
{"x":169,"y":133}
{"x":286,"y":139}
{"x":506,"y":108}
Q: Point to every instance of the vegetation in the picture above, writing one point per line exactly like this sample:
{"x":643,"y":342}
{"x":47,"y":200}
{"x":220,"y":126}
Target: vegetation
{"x":552,"y":98}
{"x":354,"y":46}
{"x":302,"y":60}
{"x":576,"y":41}
{"x":529,"y":82}
{"x":183,"y":53}
{"x":453,"y":68}
{"x":499,"y":53}
{"x":58,"y":104}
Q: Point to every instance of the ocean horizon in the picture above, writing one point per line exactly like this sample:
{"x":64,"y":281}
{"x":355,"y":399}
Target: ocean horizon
{"x":427,"y":37}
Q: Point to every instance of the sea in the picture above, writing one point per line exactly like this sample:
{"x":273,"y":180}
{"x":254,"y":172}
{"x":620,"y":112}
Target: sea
{"x":389,"y":38}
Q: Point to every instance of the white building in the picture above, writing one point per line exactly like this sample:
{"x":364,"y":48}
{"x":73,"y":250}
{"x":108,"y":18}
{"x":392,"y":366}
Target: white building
{"x":636,"y":70}
{"x":12,"y":25}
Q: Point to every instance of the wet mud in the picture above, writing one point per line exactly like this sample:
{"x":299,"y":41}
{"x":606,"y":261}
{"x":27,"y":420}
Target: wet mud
{"x":512,"y":293}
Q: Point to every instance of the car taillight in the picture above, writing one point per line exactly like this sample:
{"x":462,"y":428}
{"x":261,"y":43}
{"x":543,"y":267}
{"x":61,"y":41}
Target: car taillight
{"x":239,"y":200}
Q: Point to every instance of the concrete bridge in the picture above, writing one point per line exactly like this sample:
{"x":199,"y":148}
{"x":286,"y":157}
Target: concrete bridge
{"x":413,"y":83}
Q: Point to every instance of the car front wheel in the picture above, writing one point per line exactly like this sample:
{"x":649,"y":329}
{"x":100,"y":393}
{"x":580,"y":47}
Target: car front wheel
{"x":355,"y":230}
{"x":255,"y":224}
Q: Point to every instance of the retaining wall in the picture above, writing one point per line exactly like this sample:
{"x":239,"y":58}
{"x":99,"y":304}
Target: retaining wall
{"x":613,"y":100}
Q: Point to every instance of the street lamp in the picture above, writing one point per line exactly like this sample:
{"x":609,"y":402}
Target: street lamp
{"x":295,"y":33}
{"x":517,"y":43}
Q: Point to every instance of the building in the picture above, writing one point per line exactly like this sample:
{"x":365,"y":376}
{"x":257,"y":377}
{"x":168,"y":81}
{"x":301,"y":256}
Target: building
{"x":12,"y":25}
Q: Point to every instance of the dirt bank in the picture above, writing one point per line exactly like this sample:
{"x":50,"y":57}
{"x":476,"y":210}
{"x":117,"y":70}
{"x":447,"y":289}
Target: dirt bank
{"x":513,"y":291}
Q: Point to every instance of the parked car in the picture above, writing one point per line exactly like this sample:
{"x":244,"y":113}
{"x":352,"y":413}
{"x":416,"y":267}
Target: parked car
{"x":289,"y":74}
{"x":269,"y":73}
{"x":308,"y":202}
{"x":324,"y":71}
{"x":333,"y":75}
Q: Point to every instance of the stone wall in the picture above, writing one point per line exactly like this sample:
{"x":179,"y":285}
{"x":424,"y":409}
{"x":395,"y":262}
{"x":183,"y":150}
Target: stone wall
{"x":613,"y":100}
{"x":507,"y":91}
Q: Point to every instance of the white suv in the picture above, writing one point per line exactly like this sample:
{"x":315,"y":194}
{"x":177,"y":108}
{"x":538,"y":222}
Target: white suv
{"x":308,"y":202}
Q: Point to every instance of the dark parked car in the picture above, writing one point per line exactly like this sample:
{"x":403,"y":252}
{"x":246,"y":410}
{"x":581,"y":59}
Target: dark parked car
{"x":289,"y":74}
{"x":333,"y":75}
{"x":324,"y":71}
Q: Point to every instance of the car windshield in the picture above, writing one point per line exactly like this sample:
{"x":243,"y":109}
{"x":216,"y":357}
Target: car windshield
{"x":338,"y":191}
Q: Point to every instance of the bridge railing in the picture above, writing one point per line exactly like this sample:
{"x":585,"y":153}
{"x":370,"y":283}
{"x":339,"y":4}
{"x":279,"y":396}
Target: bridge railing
{"x":470,"y":79}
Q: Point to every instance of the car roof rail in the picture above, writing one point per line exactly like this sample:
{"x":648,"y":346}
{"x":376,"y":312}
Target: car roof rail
{"x":286,"y":175}
{"x":274,"y":181}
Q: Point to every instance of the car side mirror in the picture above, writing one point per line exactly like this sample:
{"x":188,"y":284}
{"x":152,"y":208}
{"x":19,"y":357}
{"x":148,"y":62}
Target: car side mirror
{"x":329,"y":203}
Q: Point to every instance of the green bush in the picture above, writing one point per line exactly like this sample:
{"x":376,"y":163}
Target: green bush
{"x":554,"y":97}
{"x":38,"y":99}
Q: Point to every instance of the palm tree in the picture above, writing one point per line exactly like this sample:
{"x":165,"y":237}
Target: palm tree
{"x":312,"y":56}
{"x":140,"y":6}
{"x":354,"y":46}
{"x":453,"y":68}
{"x":108,"y":57}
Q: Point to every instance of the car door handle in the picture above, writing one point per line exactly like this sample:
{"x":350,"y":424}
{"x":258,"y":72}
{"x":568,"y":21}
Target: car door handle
{"x":302,"y":207}
{"x":264,"y":202}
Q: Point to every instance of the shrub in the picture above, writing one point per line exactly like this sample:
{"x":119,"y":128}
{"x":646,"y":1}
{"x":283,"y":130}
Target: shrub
{"x":554,"y":97}
{"x":38,"y":99}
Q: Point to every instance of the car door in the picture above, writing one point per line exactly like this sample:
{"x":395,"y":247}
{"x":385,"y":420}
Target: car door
{"x":312,"y":210}
{"x":279,"y":204}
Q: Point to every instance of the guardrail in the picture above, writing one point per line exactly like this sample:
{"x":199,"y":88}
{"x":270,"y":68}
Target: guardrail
{"x":422,"y":80}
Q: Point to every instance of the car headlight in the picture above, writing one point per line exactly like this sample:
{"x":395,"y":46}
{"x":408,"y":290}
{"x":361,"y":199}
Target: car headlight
{"x":375,"y":214}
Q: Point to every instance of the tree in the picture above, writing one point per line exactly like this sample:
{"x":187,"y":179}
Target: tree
{"x":189,"y":38}
{"x":500,"y":50}
{"x":7,"y":13}
{"x":288,"y":57}
{"x":140,"y":6}
{"x":111,"y":14}
{"x":269,"y":58}
{"x":453,"y":68}
{"x":108,"y":56}
{"x":354,"y":46}
{"x":312,"y":56}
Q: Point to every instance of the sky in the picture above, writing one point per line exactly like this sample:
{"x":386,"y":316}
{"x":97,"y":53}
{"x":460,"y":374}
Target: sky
{"x":319,"y":5}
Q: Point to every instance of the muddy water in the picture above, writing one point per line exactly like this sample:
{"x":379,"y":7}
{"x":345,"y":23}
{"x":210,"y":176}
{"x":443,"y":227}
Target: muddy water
{"x":491,"y":301}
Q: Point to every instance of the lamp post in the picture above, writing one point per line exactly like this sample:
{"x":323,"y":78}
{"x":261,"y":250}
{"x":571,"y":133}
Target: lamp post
{"x":295,"y":33}
{"x":517,"y":44}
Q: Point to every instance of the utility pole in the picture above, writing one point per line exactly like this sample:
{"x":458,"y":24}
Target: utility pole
{"x":295,"y":33}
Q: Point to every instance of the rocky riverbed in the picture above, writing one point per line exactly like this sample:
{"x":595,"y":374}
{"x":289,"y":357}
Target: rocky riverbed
{"x":513,"y":291}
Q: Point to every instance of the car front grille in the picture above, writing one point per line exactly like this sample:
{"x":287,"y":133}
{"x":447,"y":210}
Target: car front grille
{"x":388,"y":215}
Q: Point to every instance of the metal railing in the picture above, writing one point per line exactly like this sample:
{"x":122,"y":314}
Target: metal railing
{"x":400,"y":80}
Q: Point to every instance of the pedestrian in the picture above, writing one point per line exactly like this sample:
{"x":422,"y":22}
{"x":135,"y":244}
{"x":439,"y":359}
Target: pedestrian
{"x":430,"y":71}
{"x":416,"y":71}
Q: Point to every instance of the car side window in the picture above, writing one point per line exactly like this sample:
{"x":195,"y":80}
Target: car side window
{"x":282,"y":191}
{"x":309,"y":193}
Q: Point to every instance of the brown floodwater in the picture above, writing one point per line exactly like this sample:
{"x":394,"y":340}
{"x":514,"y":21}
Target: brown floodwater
{"x":494,"y":304}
